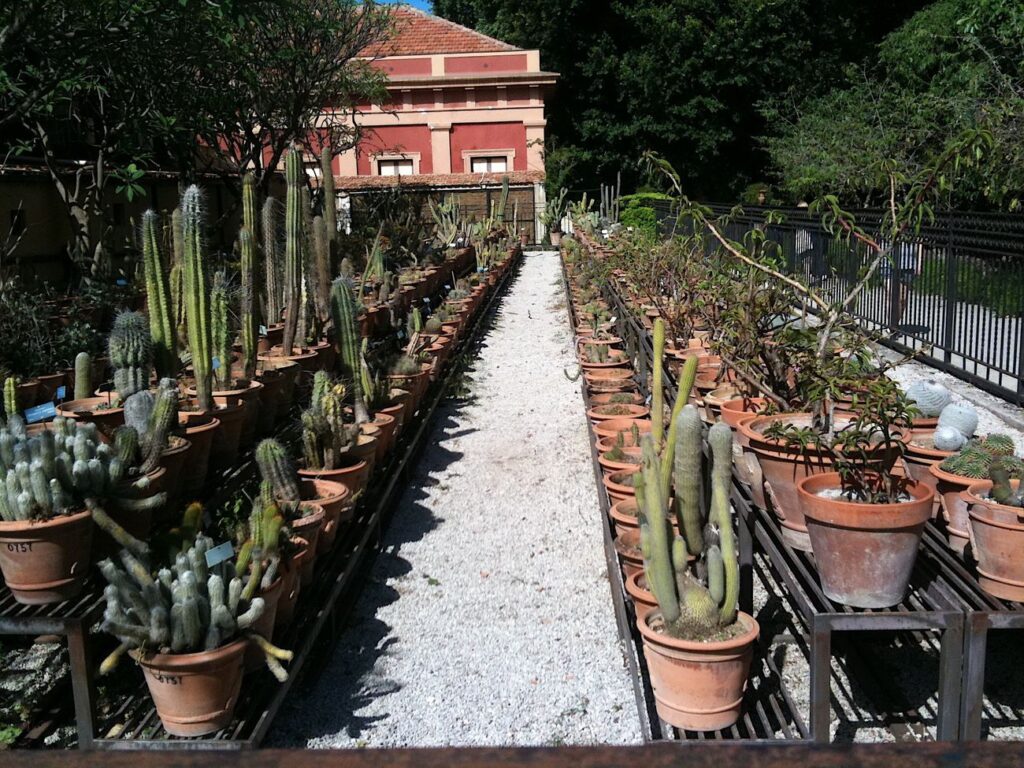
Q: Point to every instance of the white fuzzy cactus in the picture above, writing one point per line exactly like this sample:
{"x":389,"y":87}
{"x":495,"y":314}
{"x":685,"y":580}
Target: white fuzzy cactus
{"x":948,"y":439}
{"x":929,"y":396}
{"x":962,"y":418}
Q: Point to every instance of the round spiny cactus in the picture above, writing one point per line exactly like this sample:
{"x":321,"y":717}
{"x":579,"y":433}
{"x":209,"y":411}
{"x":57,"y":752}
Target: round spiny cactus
{"x":963,"y":418}
{"x":948,"y":439}
{"x":999,"y":445}
{"x":929,"y":396}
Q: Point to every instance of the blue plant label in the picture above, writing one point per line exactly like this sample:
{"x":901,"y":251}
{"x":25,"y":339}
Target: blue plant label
{"x":219,"y":554}
{"x":426,"y":299}
{"x":216,"y":363}
{"x":263,"y":330}
{"x":62,"y":392}
{"x":121,"y":281}
{"x":40,"y":413}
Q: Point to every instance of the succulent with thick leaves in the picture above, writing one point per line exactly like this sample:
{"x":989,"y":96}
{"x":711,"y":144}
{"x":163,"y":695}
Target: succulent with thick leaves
{"x":151,"y":417}
{"x":292,"y":249}
{"x":131,"y":353}
{"x":180,"y":608}
{"x":692,"y":607}
{"x":348,"y":342}
{"x":196,"y":290}
{"x":159,"y":302}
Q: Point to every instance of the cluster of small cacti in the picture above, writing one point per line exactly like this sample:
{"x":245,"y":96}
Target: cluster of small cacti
{"x":975,"y":459}
{"x":326,"y":437}
{"x":447,"y":221}
{"x":597,"y":353}
{"x":184,"y":608}
{"x":957,"y":424}
{"x":66,"y":468}
{"x":1003,"y":492}
{"x":131,"y":353}
{"x":259,"y":552}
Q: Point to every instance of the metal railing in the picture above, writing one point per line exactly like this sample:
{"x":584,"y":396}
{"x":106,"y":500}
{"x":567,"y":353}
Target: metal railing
{"x":953,"y":293}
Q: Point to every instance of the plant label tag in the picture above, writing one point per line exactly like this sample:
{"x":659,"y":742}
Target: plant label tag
{"x":219,"y":554}
{"x":40,"y":413}
{"x":62,"y":392}
{"x":263,"y":330}
{"x":216,"y":363}
{"x":613,"y":319}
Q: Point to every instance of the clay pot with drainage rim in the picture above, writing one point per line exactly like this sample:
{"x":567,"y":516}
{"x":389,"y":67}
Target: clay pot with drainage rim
{"x":264,"y":625}
{"x":629,"y":462}
{"x":643,"y":598}
{"x":200,"y":428}
{"x":353,"y":476}
{"x":628,"y":548}
{"x":291,"y":584}
{"x":619,"y":484}
{"x":919,"y":456}
{"x":698,"y":686}
{"x":308,"y":527}
{"x":194,"y":693}
{"x":101,"y":411}
{"x":865,"y":553}
{"x":997,"y":539}
{"x":624,"y":517}
{"x":600,"y":413}
{"x":713,"y":400}
{"x":334,"y":499}
{"x":950,"y":488}
{"x":46,"y":561}
{"x":607,"y":398}
{"x":611,"y":428}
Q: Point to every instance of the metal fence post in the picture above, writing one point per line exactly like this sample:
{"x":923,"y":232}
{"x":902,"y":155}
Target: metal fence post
{"x":951,"y":298}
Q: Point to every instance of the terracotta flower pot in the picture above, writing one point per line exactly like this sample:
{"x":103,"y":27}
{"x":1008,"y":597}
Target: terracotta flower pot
{"x":48,"y":386}
{"x":919,"y":457}
{"x":46,"y":561}
{"x":628,"y":548}
{"x":173,"y":461}
{"x":611,"y":428}
{"x":643,"y":598}
{"x":386,"y":436}
{"x":138,"y":524}
{"x":29,"y":393}
{"x":355,"y":476}
{"x":997,"y":538}
{"x":399,"y":401}
{"x":290,"y":372}
{"x":96,"y":410}
{"x":291,"y":585}
{"x":200,"y":429}
{"x":600,"y":413}
{"x":225,"y":447}
{"x":865,"y":553}
{"x":610,"y":466}
{"x":604,"y":398}
{"x":619,"y":484}
{"x":608,"y":379}
{"x":365,"y":448}
{"x":309,"y":527}
{"x":335,"y":500}
{"x":249,"y":398}
{"x":270,"y":400}
{"x":954,"y":509}
{"x":194,"y":693}
{"x":698,"y":686}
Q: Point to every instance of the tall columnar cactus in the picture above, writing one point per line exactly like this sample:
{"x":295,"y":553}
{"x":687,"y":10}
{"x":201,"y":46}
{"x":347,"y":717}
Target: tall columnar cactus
{"x":158,"y":299}
{"x":176,"y":275}
{"x":321,"y":267}
{"x":83,"y":376}
{"x":687,"y":478}
{"x":691,"y":607}
{"x":11,"y":404}
{"x":131,"y":353}
{"x":348,"y":342}
{"x":271,"y":220}
{"x":277,"y":469}
{"x":249,"y":203}
{"x":292,"y":249}
{"x":247,"y":309}
{"x":326,"y":437}
{"x":196,"y":285}
{"x":151,"y":417}
{"x":220,"y":330}
{"x":330,"y":201}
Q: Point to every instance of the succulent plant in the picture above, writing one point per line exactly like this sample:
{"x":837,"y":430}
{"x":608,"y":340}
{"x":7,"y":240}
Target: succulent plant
{"x":326,"y":437}
{"x":247,"y":307}
{"x":83,"y":376}
{"x":348,"y":343}
{"x":220,"y":330}
{"x":329,"y":201}
{"x":963,"y":418}
{"x":1003,"y":491}
{"x":181,"y":608}
{"x":277,"y":469}
{"x":151,"y":417}
{"x":998,"y":444}
{"x":131,"y":353}
{"x":158,"y":300}
{"x":948,"y":439}
{"x":272,"y":259}
{"x":196,"y":295}
{"x":292,"y":249}
{"x":929,"y":396}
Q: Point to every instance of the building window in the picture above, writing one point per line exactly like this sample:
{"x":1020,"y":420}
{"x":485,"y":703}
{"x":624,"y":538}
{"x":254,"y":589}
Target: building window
{"x":488,"y":164}
{"x":395,"y":167}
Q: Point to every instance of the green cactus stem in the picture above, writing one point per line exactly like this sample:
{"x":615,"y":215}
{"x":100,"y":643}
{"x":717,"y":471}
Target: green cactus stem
{"x":292,"y":249}
{"x":720,"y":440}
{"x":348,"y":343}
{"x":11,"y":403}
{"x":272,"y":258}
{"x":249,"y":203}
{"x":657,"y":383}
{"x":655,"y":533}
{"x":247,"y":304}
{"x":131,"y":353}
{"x":83,"y":376}
{"x":197,"y":295}
{"x":159,"y":302}
{"x":220,"y":329}
{"x":277,"y":469}
{"x":687,"y":478}
{"x":329,"y":202}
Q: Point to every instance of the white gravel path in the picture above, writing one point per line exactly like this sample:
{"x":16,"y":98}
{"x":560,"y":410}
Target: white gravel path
{"x":488,"y":617}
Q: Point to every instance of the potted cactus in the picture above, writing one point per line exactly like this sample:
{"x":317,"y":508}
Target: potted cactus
{"x":188,"y":626}
{"x":697,"y":643}
{"x":996,"y":510}
{"x":57,"y":484}
{"x":333,"y":448}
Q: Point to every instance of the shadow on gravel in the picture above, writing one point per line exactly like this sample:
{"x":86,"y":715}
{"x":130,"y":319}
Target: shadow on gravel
{"x":344,"y":675}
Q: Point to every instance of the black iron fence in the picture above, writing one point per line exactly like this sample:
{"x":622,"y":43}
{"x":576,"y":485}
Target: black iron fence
{"x":954,"y":292}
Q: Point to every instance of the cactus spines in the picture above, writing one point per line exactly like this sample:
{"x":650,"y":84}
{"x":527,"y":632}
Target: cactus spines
{"x":83,"y":376}
{"x":330,"y":201}
{"x":196,"y":295}
{"x":158,"y":300}
{"x":657,"y":397}
{"x":220,"y":330}
{"x":720,"y":440}
{"x":249,"y":202}
{"x":321,"y":267}
{"x":247,"y":304}
{"x":687,"y":478}
{"x":998,"y":444}
{"x":277,"y":469}
{"x":292,"y":249}
{"x":963,"y":418}
{"x":1003,"y":491}
{"x":11,"y":404}
{"x":658,"y":563}
{"x":948,"y":439}
{"x":348,"y":343}
{"x":131,"y":353}
{"x":929,"y":396}
{"x":272,"y":258}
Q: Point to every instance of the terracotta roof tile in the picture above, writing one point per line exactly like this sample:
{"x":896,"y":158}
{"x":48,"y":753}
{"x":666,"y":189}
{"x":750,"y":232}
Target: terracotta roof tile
{"x":432,"y":180}
{"x":418,"y":32}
